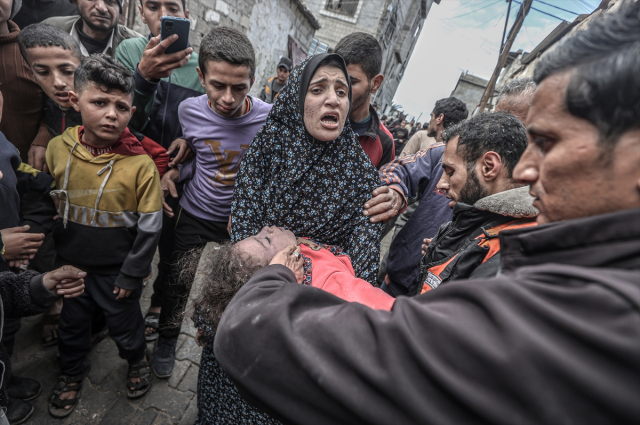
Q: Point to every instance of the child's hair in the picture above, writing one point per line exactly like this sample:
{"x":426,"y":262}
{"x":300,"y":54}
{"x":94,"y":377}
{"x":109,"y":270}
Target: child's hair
{"x":223,"y":273}
{"x":105,"y":72}
{"x":225,"y":44}
{"x":45,"y":35}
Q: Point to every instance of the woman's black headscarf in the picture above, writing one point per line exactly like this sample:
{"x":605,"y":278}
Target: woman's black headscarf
{"x":316,"y":189}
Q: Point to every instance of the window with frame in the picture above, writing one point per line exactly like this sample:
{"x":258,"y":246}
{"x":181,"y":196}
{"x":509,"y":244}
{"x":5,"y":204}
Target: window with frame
{"x":343,"y":7}
{"x":390,"y":29}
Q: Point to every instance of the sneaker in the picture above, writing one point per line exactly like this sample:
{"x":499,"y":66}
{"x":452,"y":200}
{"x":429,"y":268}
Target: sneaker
{"x":18,"y":411}
{"x":23,"y":388}
{"x":164,"y":357}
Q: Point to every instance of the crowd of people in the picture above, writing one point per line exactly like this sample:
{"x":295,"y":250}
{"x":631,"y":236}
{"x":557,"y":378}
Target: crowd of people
{"x":510,"y":292}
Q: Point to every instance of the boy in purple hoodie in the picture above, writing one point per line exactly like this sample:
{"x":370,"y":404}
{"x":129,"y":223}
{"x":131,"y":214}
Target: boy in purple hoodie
{"x":219,"y":127}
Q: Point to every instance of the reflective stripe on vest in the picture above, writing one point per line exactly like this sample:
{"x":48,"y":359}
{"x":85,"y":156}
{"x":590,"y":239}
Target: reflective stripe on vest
{"x":489,"y":239}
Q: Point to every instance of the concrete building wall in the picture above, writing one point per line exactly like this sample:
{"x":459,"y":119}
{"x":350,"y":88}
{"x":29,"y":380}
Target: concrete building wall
{"x":396,"y":24}
{"x":470,"y":90}
{"x":336,"y":26}
{"x":267,"y":23}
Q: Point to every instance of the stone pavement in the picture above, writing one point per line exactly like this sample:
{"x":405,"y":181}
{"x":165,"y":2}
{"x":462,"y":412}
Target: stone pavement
{"x":104,"y":399}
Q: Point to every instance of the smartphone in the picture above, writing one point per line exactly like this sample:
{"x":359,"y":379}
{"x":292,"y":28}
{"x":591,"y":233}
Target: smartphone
{"x":171,"y":25}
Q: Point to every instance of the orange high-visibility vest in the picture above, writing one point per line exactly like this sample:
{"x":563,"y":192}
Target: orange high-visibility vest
{"x":488,"y":239}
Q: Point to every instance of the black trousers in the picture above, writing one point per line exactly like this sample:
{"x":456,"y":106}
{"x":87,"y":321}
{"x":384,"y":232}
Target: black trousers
{"x":165,"y":249}
{"x":123,"y":317}
{"x":190,"y":232}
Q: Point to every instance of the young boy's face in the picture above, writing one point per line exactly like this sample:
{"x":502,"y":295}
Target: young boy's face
{"x":227,"y":86}
{"x":105,"y":114}
{"x":152,"y":12}
{"x":53,"y":69}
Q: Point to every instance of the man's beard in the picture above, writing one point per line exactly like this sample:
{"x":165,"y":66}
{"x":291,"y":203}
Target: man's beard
{"x":472,"y":191}
{"x":358,"y":102}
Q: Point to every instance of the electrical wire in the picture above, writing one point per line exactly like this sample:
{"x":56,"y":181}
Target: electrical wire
{"x":477,"y":10}
{"x":549,"y":4}
{"x":542,"y":11}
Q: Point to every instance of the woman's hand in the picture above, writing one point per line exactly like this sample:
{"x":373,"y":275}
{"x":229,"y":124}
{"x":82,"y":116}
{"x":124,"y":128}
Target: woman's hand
{"x":292,"y":258}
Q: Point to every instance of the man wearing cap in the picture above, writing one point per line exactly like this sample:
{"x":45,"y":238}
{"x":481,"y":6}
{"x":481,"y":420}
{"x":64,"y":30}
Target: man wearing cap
{"x":272,"y":88}
{"x":96,"y":29}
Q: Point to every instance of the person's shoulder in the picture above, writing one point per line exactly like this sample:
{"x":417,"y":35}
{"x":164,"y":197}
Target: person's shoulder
{"x":193,"y":109}
{"x":262,"y":108}
{"x":134,"y":44}
{"x":383,"y":132}
{"x":192,"y":104}
{"x":127,"y":33}
{"x":63,"y":22}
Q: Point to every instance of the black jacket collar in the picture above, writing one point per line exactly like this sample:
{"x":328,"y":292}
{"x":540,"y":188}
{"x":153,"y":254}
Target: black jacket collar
{"x":606,"y":240}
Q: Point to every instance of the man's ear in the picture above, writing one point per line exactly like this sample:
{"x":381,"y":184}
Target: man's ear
{"x":491,"y":166}
{"x":144,"y":21}
{"x":440,"y":119}
{"x":376,"y":82}
{"x":74,"y":99}
{"x":186,"y":13}
{"x":253,"y":80}
{"x":200,"y":75}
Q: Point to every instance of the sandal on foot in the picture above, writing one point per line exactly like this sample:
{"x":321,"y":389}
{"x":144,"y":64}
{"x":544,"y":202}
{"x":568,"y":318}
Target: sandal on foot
{"x":152,"y":320}
{"x":65,"y":384}
{"x":50,"y":330}
{"x":142,"y":371}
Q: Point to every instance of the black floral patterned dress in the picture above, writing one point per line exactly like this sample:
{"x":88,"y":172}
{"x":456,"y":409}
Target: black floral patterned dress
{"x":315,"y":189}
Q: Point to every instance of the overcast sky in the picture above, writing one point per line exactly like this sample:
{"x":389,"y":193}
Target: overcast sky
{"x":465,"y":35}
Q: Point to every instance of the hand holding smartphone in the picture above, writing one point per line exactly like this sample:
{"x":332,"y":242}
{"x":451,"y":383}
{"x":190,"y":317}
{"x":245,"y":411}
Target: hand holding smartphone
{"x":171,"y":25}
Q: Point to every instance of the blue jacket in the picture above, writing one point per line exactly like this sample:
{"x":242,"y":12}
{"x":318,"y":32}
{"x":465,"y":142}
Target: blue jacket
{"x":413,"y":175}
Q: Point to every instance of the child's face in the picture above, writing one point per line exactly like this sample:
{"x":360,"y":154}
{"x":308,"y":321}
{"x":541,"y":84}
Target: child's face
{"x":53,"y":69}
{"x":152,"y":12}
{"x":227,"y":86}
{"x":105,"y":115}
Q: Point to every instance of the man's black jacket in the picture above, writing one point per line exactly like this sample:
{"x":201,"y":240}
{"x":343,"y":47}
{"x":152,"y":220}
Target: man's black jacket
{"x":554,"y":339}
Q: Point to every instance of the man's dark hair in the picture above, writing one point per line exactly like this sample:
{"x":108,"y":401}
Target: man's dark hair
{"x":523,"y":86}
{"x":604,"y":86}
{"x":226,"y":44}
{"x":425,"y":125}
{"x":454,"y":111}
{"x":184,"y":5}
{"x":498,"y":132}
{"x":362,"y":49}
{"x":104,"y":71}
{"x":45,"y":35}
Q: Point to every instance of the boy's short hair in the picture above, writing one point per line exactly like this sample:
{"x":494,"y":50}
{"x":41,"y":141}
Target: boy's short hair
{"x":105,"y":71}
{"x":45,"y":35}
{"x":225,"y":44}
{"x":362,"y":49}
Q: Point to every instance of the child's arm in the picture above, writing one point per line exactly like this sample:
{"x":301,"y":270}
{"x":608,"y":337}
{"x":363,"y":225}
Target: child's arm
{"x":136,"y":265}
{"x":38,"y":148}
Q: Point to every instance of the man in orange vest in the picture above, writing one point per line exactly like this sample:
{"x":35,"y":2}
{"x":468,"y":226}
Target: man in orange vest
{"x":274,"y":85}
{"x":478,"y":163}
